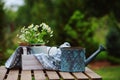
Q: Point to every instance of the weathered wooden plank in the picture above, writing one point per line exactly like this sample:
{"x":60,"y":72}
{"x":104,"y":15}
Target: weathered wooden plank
{"x":13,"y":75}
{"x":26,"y":75}
{"x":80,"y":76}
{"x":66,"y":76}
{"x":39,"y":75}
{"x":52,"y":75}
{"x":2,"y":72}
{"x":92,"y":74}
{"x":29,"y":62}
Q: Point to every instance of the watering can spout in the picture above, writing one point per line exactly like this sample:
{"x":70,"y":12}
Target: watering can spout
{"x":89,"y":59}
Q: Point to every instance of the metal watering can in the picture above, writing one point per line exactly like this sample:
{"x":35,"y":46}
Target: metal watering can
{"x":73,"y":58}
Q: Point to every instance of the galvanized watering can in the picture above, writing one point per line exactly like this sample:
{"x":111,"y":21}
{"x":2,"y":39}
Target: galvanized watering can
{"x":73,"y":59}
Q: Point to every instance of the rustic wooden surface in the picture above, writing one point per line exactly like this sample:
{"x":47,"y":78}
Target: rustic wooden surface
{"x":46,"y":75}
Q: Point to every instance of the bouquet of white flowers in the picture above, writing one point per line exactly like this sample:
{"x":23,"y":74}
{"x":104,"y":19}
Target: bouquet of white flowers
{"x":35,"y":34}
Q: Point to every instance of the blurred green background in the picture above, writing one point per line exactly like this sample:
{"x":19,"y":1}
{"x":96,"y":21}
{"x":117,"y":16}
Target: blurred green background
{"x":85,"y":23}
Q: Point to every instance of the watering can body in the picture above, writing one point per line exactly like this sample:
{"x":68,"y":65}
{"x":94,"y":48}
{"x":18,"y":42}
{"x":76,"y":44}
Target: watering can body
{"x":73,"y":59}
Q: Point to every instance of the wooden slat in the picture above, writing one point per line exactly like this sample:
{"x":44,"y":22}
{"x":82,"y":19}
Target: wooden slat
{"x":29,"y":62}
{"x":52,"y":75}
{"x":26,"y":75}
{"x":39,"y":75}
{"x":2,"y":72}
{"x":66,"y":75}
{"x":80,"y":76}
{"x":92,"y":74}
{"x":13,"y":75}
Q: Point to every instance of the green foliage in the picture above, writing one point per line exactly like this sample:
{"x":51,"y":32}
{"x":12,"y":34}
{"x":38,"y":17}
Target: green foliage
{"x":2,"y":35}
{"x":113,"y":39}
{"x":2,"y":24}
{"x":109,"y":73}
{"x":10,"y":18}
{"x":100,"y":8}
{"x":114,"y":60}
{"x":102,"y":29}
{"x":102,"y":56}
{"x":2,"y":16}
{"x":35,"y":34}
{"x":33,"y":12}
{"x":80,"y":32}
{"x":57,"y":13}
{"x":48,"y":11}
{"x":8,"y":53}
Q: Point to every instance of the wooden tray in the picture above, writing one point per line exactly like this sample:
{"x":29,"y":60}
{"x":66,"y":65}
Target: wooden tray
{"x":29,"y":62}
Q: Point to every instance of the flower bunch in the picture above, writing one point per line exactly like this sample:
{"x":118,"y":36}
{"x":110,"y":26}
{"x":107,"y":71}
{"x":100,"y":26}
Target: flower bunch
{"x":35,"y":34}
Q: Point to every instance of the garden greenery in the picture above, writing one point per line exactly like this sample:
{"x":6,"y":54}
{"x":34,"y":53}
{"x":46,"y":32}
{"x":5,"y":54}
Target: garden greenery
{"x":35,"y":34}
